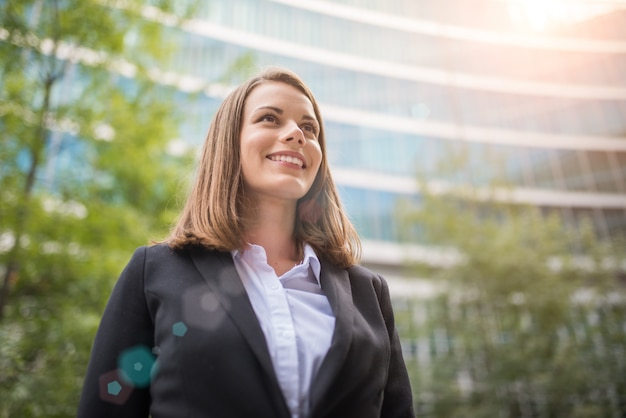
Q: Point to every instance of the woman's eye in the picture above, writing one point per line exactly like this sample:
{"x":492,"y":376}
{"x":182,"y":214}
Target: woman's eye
{"x":268,"y":118}
{"x":309,"y":128}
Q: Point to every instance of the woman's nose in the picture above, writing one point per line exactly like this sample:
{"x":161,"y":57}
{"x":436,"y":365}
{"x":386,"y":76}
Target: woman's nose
{"x":294,"y":134}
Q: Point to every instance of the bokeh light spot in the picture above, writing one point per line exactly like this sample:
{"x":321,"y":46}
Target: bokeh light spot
{"x":136,"y":364}
{"x":114,"y":388}
{"x":209,"y":302}
{"x":179,"y":329}
{"x":202,"y":309}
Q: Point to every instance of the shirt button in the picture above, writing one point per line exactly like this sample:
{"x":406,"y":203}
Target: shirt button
{"x":274,"y":286}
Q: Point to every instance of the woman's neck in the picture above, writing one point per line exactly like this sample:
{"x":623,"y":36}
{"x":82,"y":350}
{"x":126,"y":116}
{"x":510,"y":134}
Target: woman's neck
{"x":272,"y":228}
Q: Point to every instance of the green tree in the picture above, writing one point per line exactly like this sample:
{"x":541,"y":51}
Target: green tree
{"x":76,"y":79}
{"x":529,"y":320}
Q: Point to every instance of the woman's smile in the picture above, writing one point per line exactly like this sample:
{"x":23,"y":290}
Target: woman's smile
{"x":289,"y":159}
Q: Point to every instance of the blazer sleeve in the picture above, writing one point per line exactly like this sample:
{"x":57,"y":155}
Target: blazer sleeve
{"x":398,"y":396}
{"x":117,"y":379}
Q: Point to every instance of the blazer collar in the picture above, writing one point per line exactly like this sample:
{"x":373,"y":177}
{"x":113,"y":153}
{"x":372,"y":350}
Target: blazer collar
{"x":219,"y":272}
{"x":336,"y":285}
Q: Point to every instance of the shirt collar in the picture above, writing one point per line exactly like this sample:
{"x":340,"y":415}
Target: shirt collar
{"x":254,"y":254}
{"x":311,"y":259}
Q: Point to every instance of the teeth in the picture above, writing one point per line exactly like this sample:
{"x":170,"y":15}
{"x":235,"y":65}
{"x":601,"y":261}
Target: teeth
{"x":287,"y":159}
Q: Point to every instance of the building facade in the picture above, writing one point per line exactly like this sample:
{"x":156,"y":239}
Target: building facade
{"x":402,"y":83}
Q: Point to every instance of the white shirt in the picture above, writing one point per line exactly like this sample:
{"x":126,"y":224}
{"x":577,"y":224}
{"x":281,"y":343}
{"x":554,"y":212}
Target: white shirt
{"x":295,"y":316}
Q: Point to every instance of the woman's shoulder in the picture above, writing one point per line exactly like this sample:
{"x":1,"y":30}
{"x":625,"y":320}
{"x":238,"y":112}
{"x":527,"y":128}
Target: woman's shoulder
{"x":152,"y":252}
{"x":358,"y":270}
{"x":162,"y":251}
{"x":360,"y":275}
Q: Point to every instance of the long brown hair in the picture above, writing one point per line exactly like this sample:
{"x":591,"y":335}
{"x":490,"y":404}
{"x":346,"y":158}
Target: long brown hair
{"x":213,"y":214}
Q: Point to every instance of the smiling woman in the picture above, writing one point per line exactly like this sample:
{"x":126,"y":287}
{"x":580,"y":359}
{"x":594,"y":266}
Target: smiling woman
{"x":270,"y":118}
{"x":255,"y":305}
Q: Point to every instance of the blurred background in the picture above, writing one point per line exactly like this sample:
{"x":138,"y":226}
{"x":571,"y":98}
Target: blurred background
{"x":479,"y":147}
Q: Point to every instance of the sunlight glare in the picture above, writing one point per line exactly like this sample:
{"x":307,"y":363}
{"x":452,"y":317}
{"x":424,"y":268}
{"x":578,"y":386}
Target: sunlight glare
{"x":545,"y":15}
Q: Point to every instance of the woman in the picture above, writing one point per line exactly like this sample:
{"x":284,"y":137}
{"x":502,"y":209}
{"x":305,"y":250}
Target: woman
{"x":254,"y":306}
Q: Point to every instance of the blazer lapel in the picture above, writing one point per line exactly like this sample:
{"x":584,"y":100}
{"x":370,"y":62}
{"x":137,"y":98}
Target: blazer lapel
{"x":336,"y":285}
{"x":219,"y":272}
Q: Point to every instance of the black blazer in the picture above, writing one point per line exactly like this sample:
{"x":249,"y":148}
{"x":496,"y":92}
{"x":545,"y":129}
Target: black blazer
{"x":179,"y":338}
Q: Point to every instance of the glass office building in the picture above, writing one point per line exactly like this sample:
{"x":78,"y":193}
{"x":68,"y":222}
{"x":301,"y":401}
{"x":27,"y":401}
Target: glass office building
{"x":401,"y":83}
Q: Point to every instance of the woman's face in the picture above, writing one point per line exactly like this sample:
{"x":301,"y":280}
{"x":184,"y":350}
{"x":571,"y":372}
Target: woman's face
{"x":280,"y":153}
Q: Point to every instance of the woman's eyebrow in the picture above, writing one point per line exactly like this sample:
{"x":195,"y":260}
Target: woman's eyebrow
{"x":280,"y":112}
{"x":275,"y":109}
